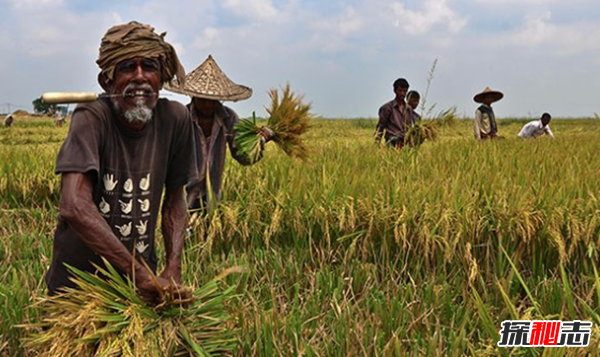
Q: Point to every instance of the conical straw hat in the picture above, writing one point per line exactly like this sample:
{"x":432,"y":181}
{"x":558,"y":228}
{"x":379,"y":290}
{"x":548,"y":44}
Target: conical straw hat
{"x":496,"y":95}
{"x":208,"y":81}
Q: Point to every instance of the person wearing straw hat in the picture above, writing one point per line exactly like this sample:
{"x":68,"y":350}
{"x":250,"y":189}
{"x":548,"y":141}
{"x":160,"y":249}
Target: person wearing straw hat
{"x":485,"y":120}
{"x":214,"y":129}
{"x":126,"y":159}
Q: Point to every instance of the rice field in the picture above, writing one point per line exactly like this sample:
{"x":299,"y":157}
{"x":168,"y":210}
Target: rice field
{"x":361,"y":251}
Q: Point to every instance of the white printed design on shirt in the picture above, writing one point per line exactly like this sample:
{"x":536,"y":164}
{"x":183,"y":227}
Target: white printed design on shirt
{"x":141,"y":247}
{"x":128,"y":186}
{"x":109,"y":182}
{"x":104,"y":206}
{"x":125,"y":203}
{"x":125,"y":229}
{"x":145,"y":183}
{"x":126,"y":207}
{"x":145,"y":205}
{"x":142,"y":227}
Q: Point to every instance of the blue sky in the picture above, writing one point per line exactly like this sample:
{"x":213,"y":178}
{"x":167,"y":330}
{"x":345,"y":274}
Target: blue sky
{"x":342,"y":55}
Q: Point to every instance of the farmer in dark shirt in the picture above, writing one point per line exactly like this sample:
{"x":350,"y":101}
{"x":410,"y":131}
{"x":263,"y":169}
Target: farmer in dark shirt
{"x":395,"y":117}
{"x":121,"y":153}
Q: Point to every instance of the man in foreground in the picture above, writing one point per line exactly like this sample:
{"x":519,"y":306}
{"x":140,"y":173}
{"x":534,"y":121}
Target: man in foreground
{"x":485,"y":126}
{"x":119,"y":155}
{"x":214,"y":129}
{"x":536,"y":128}
{"x":395,"y":117}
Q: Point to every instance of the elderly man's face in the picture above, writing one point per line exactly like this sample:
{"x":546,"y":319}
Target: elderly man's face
{"x":136,"y":84}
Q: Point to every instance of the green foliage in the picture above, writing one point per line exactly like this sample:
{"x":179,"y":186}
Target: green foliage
{"x":40,"y":107}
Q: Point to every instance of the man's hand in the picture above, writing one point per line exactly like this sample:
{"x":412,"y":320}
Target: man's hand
{"x":151,"y":290}
{"x":266,"y":133}
{"x":172,"y":273}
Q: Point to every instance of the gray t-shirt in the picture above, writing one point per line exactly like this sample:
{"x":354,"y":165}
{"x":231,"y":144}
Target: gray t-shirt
{"x":130,"y":170}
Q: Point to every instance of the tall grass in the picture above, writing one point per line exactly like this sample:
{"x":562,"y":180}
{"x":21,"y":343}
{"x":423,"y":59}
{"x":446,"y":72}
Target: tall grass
{"x":364,"y":251}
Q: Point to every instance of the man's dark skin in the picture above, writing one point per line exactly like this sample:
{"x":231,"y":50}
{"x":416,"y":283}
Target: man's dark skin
{"x":78,"y":209}
{"x":546,"y":119}
{"x":400,"y":94}
{"x":205,"y":111}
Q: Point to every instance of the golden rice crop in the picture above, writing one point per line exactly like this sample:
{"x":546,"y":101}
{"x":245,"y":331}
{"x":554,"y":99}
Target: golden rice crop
{"x":289,"y":119}
{"x":419,"y":132}
{"x":108,"y":318}
{"x":360,"y":251}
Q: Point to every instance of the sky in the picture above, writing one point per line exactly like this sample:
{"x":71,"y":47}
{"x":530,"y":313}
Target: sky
{"x":343,"y":56}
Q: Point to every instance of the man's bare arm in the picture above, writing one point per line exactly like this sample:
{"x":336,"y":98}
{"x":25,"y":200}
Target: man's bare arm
{"x":174,"y":220}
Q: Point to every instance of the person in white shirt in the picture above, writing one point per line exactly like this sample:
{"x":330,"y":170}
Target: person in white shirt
{"x":536,"y":128}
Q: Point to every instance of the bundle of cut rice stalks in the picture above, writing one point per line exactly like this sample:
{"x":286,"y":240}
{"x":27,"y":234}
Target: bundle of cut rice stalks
{"x":288,"y":119}
{"x":420,"y":131}
{"x":108,"y":318}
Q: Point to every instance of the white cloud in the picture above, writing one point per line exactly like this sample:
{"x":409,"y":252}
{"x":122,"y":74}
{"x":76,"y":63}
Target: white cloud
{"x":520,"y":2}
{"x":435,"y":12}
{"x":349,"y":23}
{"x":34,"y":4}
{"x":330,"y":34}
{"x":208,"y":38}
{"x":253,"y":9}
{"x":565,"y":39}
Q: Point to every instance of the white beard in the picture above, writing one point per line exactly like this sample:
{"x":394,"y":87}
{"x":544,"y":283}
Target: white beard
{"x":139,"y":114}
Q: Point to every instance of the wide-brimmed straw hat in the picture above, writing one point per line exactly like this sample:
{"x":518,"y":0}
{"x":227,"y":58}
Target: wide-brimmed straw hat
{"x":496,"y":95}
{"x":208,"y":81}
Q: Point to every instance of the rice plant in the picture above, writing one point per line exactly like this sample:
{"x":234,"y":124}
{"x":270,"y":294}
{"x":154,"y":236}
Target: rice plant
{"x":289,"y":119}
{"x":420,"y":131}
{"x":360,"y":251}
{"x":106,"y":317}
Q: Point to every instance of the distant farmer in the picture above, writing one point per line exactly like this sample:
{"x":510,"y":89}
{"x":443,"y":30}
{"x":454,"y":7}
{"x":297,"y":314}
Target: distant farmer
{"x":59,"y":118}
{"x":485,"y":126}
{"x":395,"y":117}
{"x":121,"y":154}
{"x":536,"y":128}
{"x":412,"y":99}
{"x":8,"y":121}
{"x":213,"y":128}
